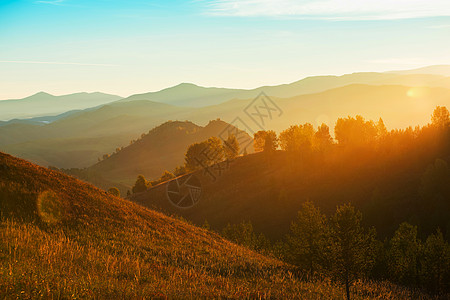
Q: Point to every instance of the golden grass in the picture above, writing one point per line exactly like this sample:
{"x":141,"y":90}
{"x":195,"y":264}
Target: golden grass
{"x":102,"y":246}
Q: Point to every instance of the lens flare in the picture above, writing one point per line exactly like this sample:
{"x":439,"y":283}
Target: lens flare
{"x":49,"y":207}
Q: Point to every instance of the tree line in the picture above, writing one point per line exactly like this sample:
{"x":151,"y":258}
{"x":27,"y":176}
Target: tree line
{"x":341,"y":248}
{"x":198,"y":155}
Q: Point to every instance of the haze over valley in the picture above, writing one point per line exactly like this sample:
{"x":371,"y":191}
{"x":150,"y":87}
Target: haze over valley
{"x":225,"y":149}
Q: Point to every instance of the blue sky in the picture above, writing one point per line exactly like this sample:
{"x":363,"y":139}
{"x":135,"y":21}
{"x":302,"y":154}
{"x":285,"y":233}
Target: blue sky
{"x":125,"y":47}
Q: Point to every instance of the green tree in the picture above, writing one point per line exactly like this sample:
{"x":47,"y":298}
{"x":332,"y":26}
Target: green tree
{"x":351,"y":246}
{"x":215,"y":150}
{"x":193,"y":157}
{"x":381,"y":128}
{"x":204,"y":154}
{"x":298,"y":138}
{"x":322,"y":139}
{"x":440,"y":117}
{"x":266,"y":141}
{"x":231,"y":147}
{"x":354,"y":131}
{"x":404,"y":254}
{"x":140,"y":185}
{"x":244,"y":235}
{"x":309,"y":239}
{"x":436,"y":263}
{"x":114,"y":191}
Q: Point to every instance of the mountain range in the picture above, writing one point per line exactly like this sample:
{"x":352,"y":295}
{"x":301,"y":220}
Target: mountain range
{"x":44,"y":104}
{"x":77,"y":138}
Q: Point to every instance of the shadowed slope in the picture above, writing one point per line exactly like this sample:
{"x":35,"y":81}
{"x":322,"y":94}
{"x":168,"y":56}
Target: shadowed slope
{"x":86,"y":243}
{"x":163,"y":148}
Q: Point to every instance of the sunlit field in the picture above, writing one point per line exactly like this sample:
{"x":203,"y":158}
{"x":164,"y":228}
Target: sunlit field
{"x":223,"y":149}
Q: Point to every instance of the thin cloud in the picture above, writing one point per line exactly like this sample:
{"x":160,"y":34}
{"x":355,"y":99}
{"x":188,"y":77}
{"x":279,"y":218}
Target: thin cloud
{"x":55,"y":63}
{"x":330,"y":9}
{"x":53,"y":2}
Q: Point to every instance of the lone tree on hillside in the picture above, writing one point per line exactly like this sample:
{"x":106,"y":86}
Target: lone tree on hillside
{"x":204,"y":154}
{"x":140,"y":185}
{"x":322,"y":139}
{"x":355,"y":131}
{"x":231,"y":147}
{"x":309,"y":238}
{"x":436,"y":263}
{"x":404,"y":253}
{"x":351,"y":246}
{"x":440,"y":117}
{"x":297,"y":138}
{"x":266,"y":141}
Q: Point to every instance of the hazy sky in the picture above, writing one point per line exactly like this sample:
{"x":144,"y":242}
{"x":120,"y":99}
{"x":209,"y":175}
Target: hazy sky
{"x":131,"y":46}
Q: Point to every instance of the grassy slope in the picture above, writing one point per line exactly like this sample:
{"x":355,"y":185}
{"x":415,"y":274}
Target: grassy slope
{"x":96,"y":245}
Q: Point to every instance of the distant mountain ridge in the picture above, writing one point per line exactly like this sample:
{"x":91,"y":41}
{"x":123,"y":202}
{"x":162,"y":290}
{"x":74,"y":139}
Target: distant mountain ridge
{"x":80,"y":138}
{"x":191,"y":95}
{"x":443,"y":70}
{"x":44,"y":104}
{"x":76,"y":138}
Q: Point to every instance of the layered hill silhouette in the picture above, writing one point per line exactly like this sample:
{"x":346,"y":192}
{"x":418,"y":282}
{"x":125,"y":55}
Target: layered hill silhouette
{"x":163,"y":148}
{"x":77,"y":139}
{"x":443,"y":70}
{"x":81,"y":138}
{"x":44,"y":104}
{"x":61,"y":237}
{"x":191,"y":95}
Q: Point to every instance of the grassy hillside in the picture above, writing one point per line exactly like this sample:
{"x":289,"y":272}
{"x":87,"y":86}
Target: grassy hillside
{"x":44,"y":104}
{"x":71,"y":240}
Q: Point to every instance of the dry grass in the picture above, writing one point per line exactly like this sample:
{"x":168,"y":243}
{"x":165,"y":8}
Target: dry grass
{"x":99,"y":246}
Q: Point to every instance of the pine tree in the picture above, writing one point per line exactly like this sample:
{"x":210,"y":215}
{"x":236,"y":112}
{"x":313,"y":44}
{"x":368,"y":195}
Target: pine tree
{"x":308,"y":239}
{"x":140,"y":185}
{"x":350,"y":246}
{"x":404,"y":253}
{"x":436,"y":263}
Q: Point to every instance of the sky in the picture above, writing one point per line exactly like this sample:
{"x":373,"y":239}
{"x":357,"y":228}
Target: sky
{"x":125,"y":47}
